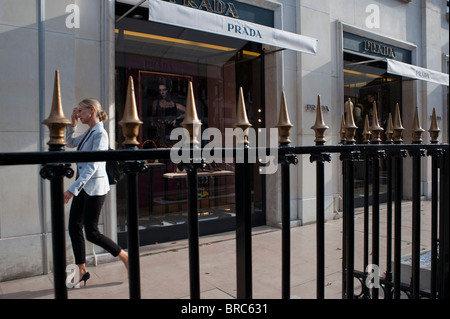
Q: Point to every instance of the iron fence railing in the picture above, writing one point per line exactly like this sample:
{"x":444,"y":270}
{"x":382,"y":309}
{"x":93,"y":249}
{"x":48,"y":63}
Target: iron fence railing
{"x":56,"y":166}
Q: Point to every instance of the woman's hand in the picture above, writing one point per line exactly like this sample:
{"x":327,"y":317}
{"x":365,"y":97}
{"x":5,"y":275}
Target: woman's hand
{"x":67,"y":196}
{"x":75,"y":116}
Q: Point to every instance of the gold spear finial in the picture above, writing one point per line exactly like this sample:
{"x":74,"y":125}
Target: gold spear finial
{"x":56,"y":121}
{"x":375,"y":129}
{"x":319,"y":127}
{"x":284,"y":123}
{"x":191,"y":122}
{"x":350,"y":126}
{"x":241,"y":116}
{"x":366,"y":132}
{"x":398,"y":127}
{"x":434,"y":128}
{"x":130,"y":121}
{"x":417,"y":130}
{"x":389,"y":129}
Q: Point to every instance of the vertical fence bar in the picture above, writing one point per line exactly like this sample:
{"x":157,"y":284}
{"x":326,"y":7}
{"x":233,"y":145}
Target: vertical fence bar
{"x":130,"y":128}
{"x":442,"y":208}
{"x":319,"y":128}
{"x":56,"y":123}
{"x":366,"y":140}
{"x":58,"y":237}
{"x":446,"y":234}
{"x":349,"y":227}
{"x":243,"y":208}
{"x":192,"y":125}
{"x":376,"y":130}
{"x":320,"y":225}
{"x":342,"y":133}
{"x":284,"y":128}
{"x":434,"y":220}
{"x":133,"y":237}
{"x":389,"y":223}
{"x":243,"y":229}
{"x":415,"y":282}
{"x":398,"y":180}
{"x":416,"y":175}
{"x":398,"y":183}
{"x":348,"y":199}
{"x":435,"y":155}
{"x":444,"y":226}
{"x":320,"y":229}
{"x":389,"y":134}
{"x":55,"y":173}
{"x":131,"y":169}
{"x":58,"y":233}
{"x":344,"y":228}
{"x":375,"y":218}
{"x":366,"y":222}
{"x":193,"y":232}
{"x":285,"y":232}
{"x":398,"y":168}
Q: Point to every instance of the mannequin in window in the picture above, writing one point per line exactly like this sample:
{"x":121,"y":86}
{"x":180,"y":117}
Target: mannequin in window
{"x":166,"y":113}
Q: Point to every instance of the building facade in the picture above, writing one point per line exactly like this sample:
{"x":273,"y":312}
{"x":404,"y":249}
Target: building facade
{"x":97,"y":45}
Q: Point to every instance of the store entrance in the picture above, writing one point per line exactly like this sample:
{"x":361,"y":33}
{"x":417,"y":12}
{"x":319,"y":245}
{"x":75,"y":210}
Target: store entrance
{"x":162,"y":59}
{"x":365,"y":82}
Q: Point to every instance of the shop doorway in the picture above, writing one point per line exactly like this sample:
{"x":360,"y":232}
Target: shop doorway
{"x":162,"y":60}
{"x":365,"y":82}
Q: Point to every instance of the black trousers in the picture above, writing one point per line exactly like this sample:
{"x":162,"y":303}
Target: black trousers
{"x":85,"y":211}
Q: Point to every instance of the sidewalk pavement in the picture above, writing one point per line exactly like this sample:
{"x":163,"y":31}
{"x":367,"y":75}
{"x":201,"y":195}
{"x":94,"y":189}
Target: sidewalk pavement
{"x":165,"y":270}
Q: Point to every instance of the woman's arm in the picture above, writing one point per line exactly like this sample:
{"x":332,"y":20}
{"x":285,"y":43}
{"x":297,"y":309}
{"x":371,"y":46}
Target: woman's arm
{"x":100,"y":143}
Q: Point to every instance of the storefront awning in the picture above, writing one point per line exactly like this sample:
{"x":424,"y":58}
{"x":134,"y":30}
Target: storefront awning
{"x":178,"y":15}
{"x":415,"y":72}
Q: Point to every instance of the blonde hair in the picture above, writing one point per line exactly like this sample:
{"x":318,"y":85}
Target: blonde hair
{"x":99,"y":112}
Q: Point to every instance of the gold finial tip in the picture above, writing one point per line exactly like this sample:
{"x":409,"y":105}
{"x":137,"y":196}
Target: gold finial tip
{"x":130,"y":114}
{"x":434,"y":128}
{"x":130,"y":121}
{"x":366,"y":132}
{"x":284,"y":123}
{"x":56,"y":112}
{"x":241,"y":112}
{"x":241,"y":118}
{"x":389,"y":125}
{"x":56,"y":121}
{"x":349,"y":120}
{"x":319,"y":127}
{"x":389,"y":130}
{"x":417,"y":130}
{"x":191,"y":121}
{"x":434,"y":125}
{"x":190,"y":115}
{"x":397,"y":127}
{"x":283,"y":119}
{"x":375,"y":129}
{"x":350,"y":126}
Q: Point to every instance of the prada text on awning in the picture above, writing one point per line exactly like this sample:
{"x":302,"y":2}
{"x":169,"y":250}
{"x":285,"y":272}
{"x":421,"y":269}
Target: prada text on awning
{"x":178,"y":15}
{"x":415,"y":72}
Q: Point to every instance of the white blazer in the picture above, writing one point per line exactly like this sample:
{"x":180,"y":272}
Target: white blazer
{"x":92,"y":175}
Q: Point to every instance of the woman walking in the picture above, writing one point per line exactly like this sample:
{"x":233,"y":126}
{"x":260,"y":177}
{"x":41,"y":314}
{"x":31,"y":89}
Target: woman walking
{"x":90,"y":187}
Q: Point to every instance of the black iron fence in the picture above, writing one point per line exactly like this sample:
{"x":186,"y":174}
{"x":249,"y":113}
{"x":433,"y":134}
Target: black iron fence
{"x":393,"y":156}
{"x":56,"y":166}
